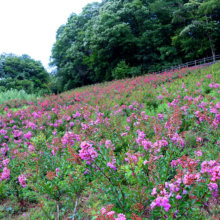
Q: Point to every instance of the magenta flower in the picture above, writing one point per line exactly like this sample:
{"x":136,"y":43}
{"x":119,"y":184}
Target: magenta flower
{"x":178,"y":197}
{"x":198,"y":153}
{"x":22,"y":178}
{"x":71,"y":124}
{"x":28,"y":135}
{"x":161,"y":201}
{"x":103,"y":210}
{"x":5,"y":174}
{"x":111,"y":213}
{"x":159,"y":97}
{"x":112,"y":164}
{"x":87,"y":152}
{"x":5,"y":162}
{"x":121,"y":217}
{"x":109,"y":144}
{"x":132,"y":158}
{"x":160,"y":116}
{"x":154,"y":192}
{"x":57,"y":171}
{"x":216,"y":85}
{"x":31,"y":148}
{"x":199,"y":139}
{"x":124,"y":134}
{"x":213,"y":187}
{"x":68,"y":138}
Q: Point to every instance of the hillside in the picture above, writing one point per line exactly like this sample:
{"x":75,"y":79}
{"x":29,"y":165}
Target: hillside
{"x":139,"y":148}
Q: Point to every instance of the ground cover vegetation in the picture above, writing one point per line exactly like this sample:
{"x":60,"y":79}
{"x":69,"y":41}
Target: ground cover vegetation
{"x":115,"y":39}
{"x":139,"y":148}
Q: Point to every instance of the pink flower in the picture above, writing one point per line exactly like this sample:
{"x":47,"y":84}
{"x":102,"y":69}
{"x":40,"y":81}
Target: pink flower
{"x":109,"y":144}
{"x":127,"y":128}
{"x":216,"y":86}
{"x":208,"y":76}
{"x":22,"y":178}
{"x":5,"y":162}
{"x":198,"y":153}
{"x":132,"y":158}
{"x":147,"y":144}
{"x":5,"y":174}
{"x":154,"y":191}
{"x":145,"y":162}
{"x":121,"y":217}
{"x":87,"y":152}
{"x":57,"y":171}
{"x":213,"y":187}
{"x":111,"y":213}
{"x":103,"y":210}
{"x":160,"y":116}
{"x":55,"y":132}
{"x":199,"y":139}
{"x":161,"y":201}
{"x":71,"y":124}
{"x":159,"y":97}
{"x":31,"y":148}
{"x":112,"y":164}
{"x":28,"y":135}
{"x":124,"y":134}
{"x":68,"y":138}
{"x":178,"y":197}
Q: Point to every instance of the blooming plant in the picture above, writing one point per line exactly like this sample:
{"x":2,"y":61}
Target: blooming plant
{"x":140,"y":148}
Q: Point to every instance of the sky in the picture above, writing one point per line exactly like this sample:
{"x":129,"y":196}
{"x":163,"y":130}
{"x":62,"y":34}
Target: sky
{"x":29,"y":26}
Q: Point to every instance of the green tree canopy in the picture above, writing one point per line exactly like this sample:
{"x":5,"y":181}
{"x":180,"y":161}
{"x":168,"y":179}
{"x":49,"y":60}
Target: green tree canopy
{"x":141,"y":35}
{"x":22,"y":72}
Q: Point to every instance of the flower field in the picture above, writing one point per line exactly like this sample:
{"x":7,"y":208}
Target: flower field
{"x":140,"y":148}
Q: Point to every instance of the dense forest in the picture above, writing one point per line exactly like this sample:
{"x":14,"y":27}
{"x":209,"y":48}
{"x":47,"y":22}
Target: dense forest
{"x":124,"y":38}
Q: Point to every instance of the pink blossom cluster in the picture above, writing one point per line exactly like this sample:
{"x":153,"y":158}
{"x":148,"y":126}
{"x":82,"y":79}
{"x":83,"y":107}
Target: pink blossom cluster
{"x":161,"y":201}
{"x":87,"y":152}
{"x":111,"y":214}
{"x":132,"y":158}
{"x":22,"y":180}
{"x":68,"y":138}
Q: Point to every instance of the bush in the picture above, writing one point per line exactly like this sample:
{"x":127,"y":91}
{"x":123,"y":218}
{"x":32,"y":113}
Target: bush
{"x":15,"y":94}
{"x":121,"y":71}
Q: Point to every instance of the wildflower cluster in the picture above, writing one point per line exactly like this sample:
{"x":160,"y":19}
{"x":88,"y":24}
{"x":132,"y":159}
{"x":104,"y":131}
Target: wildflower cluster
{"x":136,"y":149}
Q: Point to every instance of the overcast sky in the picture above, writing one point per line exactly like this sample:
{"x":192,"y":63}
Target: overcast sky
{"x":29,"y":26}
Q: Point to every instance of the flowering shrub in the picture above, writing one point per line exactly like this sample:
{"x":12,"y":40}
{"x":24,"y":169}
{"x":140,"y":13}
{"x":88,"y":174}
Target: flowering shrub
{"x":143,"y":148}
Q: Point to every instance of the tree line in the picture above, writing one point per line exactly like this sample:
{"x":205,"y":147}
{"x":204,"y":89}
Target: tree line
{"x":124,"y":38}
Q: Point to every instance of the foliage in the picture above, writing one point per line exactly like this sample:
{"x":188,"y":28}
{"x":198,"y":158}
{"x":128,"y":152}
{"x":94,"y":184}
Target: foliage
{"x":146,"y":35}
{"x":22,"y":72}
{"x":13,"y":94}
{"x":201,"y":22}
{"x":121,"y":71}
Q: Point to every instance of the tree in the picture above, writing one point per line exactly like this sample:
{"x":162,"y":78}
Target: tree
{"x":199,"y":34}
{"x":22,"y":72}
